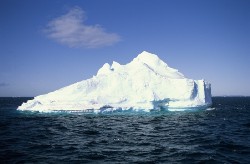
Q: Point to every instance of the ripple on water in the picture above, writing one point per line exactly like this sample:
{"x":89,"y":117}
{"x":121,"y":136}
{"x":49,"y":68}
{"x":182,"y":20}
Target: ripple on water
{"x":210,"y":136}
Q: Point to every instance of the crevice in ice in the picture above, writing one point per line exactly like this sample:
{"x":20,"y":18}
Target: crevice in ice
{"x":156,"y":73}
{"x":194,"y":91}
{"x":161,"y":104}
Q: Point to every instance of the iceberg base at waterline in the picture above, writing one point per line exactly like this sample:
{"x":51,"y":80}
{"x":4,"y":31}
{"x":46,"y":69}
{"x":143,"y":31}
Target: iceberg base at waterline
{"x":146,"y":83}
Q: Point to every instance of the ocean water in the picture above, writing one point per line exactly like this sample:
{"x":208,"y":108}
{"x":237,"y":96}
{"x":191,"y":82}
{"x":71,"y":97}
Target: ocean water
{"x":219,"y":135}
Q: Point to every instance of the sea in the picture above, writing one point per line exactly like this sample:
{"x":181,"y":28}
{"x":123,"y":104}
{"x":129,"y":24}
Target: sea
{"x":220,"y":134}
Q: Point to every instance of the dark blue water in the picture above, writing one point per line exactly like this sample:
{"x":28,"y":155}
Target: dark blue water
{"x":221,"y":135}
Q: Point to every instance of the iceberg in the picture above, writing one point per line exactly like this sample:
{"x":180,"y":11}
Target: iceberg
{"x":146,"y":83}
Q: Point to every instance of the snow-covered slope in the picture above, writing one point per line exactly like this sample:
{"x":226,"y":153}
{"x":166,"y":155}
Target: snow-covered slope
{"x":145,"y":83}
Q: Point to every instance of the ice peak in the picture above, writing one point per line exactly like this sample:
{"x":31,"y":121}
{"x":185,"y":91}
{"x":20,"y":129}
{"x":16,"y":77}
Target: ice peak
{"x":147,"y":56}
{"x":105,"y":69}
{"x":155,"y":64}
{"x":149,"y":59}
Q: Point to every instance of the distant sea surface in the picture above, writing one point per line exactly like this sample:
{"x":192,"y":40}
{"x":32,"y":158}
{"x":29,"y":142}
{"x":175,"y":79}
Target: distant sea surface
{"x":220,"y":135}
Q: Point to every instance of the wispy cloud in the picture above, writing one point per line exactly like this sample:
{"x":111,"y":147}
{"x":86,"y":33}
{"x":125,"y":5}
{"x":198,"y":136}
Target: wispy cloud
{"x":71,"y":30}
{"x":4,"y":84}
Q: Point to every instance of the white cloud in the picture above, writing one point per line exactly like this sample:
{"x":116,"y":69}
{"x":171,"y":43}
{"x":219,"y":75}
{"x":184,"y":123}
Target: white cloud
{"x":71,"y":30}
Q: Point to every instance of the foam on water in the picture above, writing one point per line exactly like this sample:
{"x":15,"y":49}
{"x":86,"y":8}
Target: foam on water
{"x":123,"y":110}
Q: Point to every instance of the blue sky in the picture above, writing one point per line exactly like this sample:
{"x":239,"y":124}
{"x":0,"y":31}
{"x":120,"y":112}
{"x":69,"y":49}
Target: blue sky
{"x":46,"y":45}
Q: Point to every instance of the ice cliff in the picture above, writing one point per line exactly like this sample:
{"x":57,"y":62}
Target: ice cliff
{"x":146,"y":83}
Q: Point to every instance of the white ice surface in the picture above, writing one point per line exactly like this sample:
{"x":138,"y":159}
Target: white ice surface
{"x":145,"y":83}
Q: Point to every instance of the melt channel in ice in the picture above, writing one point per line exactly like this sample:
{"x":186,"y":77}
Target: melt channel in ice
{"x":146,"y":83}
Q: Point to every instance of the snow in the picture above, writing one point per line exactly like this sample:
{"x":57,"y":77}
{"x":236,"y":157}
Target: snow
{"x":146,"y":83}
